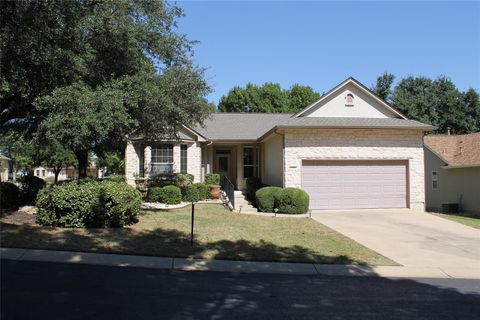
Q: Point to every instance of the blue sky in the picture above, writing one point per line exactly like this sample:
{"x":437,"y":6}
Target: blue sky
{"x":321,"y":43}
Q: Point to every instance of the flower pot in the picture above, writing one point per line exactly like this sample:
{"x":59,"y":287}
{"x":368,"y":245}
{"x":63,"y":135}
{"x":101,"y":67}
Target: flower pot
{"x":214,"y":191}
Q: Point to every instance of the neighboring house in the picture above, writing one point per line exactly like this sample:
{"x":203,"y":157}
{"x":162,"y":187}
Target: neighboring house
{"x":5,"y":168}
{"x":349,"y":149}
{"x":65,"y":173}
{"x":452,"y":171}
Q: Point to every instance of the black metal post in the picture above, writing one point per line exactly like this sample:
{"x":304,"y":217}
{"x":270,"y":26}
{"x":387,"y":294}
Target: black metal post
{"x":193,"y":220}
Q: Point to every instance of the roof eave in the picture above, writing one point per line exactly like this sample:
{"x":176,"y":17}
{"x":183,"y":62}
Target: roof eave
{"x":461,"y":166}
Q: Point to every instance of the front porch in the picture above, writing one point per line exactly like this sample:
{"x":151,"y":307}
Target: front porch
{"x":236,"y":161}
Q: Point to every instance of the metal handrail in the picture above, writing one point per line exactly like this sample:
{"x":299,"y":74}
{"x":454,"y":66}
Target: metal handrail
{"x":229,"y":189}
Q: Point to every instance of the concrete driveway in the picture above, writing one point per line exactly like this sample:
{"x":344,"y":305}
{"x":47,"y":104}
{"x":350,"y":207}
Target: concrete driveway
{"x":411,"y":238}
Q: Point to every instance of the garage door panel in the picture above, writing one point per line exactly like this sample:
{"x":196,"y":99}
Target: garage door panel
{"x":349,"y":185}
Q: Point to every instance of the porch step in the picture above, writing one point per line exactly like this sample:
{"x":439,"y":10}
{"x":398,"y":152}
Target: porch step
{"x":242,"y":204}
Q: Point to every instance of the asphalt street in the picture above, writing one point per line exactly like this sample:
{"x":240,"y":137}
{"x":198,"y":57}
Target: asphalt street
{"x":41,"y":290}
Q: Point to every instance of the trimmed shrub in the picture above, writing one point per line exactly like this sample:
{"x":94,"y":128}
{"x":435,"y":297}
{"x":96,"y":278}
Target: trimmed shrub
{"x":212,"y":178}
{"x":265,"y":198}
{"x":182,"y":180}
{"x":88,"y":203}
{"x":9,"y":196}
{"x":29,"y":187}
{"x":168,"y":195}
{"x":119,"y":204}
{"x":154,"y":194}
{"x":115,"y":178}
{"x":292,"y":201}
{"x":253,"y":184}
{"x":196,"y":192}
{"x":70,"y":204}
{"x":203,"y":190}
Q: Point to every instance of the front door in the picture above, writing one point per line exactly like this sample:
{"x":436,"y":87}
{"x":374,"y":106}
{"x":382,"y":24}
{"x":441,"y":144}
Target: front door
{"x":224,"y":166}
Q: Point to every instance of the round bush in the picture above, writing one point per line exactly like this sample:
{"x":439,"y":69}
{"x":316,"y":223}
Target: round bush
{"x":119,"y":204}
{"x":29,"y":187}
{"x":88,"y":203}
{"x":9,"y":196}
{"x":154,"y":194}
{"x":170,"y":195}
{"x":196,"y":192}
{"x":292,"y":201}
{"x":70,"y":204}
{"x":203,"y":190}
{"x":265,"y":198}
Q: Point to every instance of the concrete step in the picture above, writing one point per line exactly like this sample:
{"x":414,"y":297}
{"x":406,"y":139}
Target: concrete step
{"x":243,"y":203}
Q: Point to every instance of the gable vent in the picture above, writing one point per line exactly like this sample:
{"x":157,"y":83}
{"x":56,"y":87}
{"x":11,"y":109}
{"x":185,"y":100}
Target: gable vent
{"x":349,"y":100}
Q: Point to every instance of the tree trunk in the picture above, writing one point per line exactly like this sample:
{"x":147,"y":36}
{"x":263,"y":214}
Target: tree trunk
{"x":56,"y":171}
{"x":82,"y":158}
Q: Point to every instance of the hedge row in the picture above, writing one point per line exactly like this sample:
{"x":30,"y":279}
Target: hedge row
{"x":174,"y":195}
{"x":288,"y":200}
{"x":88,"y":203}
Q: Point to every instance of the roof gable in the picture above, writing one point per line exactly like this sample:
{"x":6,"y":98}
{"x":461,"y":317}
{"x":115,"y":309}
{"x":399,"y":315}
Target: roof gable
{"x":365,"y":104}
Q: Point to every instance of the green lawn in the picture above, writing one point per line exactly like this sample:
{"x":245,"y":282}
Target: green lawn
{"x":472,"y":221}
{"x":219,"y":234}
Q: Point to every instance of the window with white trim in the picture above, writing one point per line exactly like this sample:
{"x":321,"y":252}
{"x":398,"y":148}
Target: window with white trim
{"x":162,"y":159}
{"x":434,"y":180}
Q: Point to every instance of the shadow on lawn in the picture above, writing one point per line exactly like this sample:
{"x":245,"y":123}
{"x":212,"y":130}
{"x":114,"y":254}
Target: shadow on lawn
{"x":157,"y":242}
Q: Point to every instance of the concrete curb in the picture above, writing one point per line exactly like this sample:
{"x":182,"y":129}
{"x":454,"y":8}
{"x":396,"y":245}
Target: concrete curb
{"x":182,"y":264}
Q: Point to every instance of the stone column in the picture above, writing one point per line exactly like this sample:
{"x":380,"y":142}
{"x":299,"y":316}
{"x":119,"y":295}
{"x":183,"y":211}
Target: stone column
{"x":240,"y":182}
{"x":176,"y":158}
{"x":147,"y":160}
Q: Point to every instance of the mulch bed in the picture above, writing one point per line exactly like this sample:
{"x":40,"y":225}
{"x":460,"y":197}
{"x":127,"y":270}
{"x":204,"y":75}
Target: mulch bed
{"x":24,"y":215}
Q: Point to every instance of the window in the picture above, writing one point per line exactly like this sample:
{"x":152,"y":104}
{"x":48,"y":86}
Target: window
{"x":251,"y":161}
{"x":43,"y":173}
{"x":434,"y":180}
{"x":37,"y":173}
{"x":183,"y":158}
{"x":349,"y":100}
{"x":162,"y":158}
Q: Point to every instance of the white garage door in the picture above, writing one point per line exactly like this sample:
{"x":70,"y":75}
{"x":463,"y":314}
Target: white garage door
{"x":357,"y":184}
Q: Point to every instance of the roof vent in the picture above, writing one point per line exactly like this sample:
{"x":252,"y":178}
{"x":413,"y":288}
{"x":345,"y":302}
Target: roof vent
{"x":349,"y":100}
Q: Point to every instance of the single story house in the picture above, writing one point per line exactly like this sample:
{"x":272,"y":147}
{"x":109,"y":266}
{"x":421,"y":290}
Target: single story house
{"x":452,"y":172}
{"x":5,"y":168}
{"x":66,"y":173}
{"x":349,"y":149}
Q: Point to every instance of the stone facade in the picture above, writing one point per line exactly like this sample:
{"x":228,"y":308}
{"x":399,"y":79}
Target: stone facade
{"x":134,"y":150}
{"x":355,"y":144}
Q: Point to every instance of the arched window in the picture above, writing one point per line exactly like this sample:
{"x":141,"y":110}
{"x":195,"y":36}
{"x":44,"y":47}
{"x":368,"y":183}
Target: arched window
{"x":349,"y":100}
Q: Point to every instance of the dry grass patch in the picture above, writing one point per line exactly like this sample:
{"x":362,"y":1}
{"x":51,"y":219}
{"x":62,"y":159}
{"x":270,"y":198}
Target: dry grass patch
{"x":219,"y":234}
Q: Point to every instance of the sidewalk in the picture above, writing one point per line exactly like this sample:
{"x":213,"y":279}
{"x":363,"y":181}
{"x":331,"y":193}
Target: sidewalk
{"x":181,"y":264}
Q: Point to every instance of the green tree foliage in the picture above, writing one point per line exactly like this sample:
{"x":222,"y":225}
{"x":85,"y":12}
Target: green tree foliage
{"x":438,"y":102}
{"x":269,"y":97}
{"x":383,"y":86}
{"x":113,"y":162}
{"x":23,"y":152}
{"x":87,"y":73}
{"x":54,"y":155}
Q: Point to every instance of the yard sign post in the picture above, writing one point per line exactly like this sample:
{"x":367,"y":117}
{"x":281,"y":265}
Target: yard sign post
{"x":193,"y":219}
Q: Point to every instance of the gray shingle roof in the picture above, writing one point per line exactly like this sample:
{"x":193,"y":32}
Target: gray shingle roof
{"x":240,"y":126}
{"x":251,"y":126}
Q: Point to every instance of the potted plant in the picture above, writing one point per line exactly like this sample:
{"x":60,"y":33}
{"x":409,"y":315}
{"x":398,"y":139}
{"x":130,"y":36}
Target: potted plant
{"x":213,"y":181}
